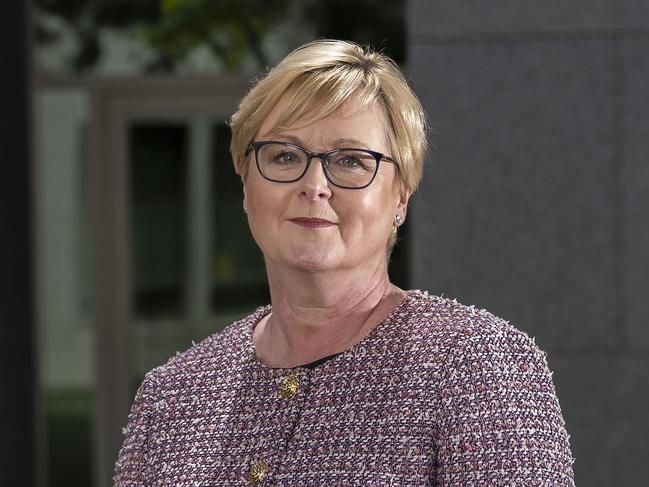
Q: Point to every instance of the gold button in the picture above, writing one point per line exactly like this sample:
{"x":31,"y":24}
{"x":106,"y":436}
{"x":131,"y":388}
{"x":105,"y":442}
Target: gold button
{"x":258,"y":471}
{"x":288,"y":387}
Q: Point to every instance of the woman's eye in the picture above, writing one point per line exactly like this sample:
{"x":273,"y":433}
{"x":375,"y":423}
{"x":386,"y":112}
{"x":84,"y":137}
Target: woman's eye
{"x":351,"y":161}
{"x":286,"y":158}
{"x":348,"y":161}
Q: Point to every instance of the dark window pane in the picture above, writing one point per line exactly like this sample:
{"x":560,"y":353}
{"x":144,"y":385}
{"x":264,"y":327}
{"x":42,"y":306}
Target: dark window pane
{"x":158,"y":218}
{"x":239,"y":274}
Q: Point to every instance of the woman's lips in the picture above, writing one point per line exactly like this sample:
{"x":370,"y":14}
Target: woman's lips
{"x":312,"y":222}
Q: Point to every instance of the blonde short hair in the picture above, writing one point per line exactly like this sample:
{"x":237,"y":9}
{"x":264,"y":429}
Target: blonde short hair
{"x":318,"y":78}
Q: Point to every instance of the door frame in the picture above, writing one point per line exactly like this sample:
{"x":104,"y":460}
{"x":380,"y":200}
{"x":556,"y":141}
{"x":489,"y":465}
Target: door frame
{"x":114,"y":104}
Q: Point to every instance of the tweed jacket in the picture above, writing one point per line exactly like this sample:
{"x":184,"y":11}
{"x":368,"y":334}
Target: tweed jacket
{"x":438,"y":394}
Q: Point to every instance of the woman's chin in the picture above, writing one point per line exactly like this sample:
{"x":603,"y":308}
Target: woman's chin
{"x":311,"y":260}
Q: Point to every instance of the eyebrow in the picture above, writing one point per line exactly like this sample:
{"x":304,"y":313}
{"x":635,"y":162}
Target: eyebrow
{"x":336,"y":143}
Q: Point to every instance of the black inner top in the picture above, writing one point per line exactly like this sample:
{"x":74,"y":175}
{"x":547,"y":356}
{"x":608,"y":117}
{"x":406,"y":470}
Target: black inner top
{"x":315,"y":363}
{"x":322,"y":360}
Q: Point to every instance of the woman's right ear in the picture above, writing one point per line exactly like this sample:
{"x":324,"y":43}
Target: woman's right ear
{"x":245,"y":200}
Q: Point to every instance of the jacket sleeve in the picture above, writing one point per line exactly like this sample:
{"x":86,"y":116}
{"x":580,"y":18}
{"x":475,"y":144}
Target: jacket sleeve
{"x":500,"y":421}
{"x":131,"y":465}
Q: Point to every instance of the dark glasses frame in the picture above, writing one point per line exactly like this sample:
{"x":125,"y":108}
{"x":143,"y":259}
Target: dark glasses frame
{"x":324,"y":159}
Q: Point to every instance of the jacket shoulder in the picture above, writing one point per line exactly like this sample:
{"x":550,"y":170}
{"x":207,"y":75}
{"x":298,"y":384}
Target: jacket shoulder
{"x":454,"y":326}
{"x":222,"y":349}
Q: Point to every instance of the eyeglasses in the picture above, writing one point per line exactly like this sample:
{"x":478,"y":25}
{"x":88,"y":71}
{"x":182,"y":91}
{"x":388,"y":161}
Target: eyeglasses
{"x":282,"y":162}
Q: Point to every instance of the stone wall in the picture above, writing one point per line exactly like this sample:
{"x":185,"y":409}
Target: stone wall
{"x":535,"y":199}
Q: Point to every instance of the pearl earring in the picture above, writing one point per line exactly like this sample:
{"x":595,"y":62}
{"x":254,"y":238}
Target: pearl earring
{"x":398,"y":220}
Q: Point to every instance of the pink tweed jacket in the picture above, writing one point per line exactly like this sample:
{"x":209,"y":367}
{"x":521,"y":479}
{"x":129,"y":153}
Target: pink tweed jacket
{"x":438,"y":394}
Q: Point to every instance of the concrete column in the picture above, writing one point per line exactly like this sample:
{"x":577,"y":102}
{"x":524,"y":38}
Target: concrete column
{"x":17,"y":355}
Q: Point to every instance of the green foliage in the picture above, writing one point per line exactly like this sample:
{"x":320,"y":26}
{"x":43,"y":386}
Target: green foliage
{"x":173,"y":28}
{"x":229,"y":28}
{"x":85,"y":18}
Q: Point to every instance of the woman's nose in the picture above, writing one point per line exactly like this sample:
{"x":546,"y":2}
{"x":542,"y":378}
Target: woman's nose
{"x":314,"y":182}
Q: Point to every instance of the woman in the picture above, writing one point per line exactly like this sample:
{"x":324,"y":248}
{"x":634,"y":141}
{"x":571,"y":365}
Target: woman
{"x":346,"y":379}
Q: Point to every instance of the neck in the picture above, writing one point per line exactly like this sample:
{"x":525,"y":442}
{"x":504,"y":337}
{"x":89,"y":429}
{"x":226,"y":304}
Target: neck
{"x":316,"y":314}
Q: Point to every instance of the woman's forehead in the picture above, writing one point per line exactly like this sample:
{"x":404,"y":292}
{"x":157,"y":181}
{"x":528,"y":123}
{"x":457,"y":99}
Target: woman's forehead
{"x":352,"y":122}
